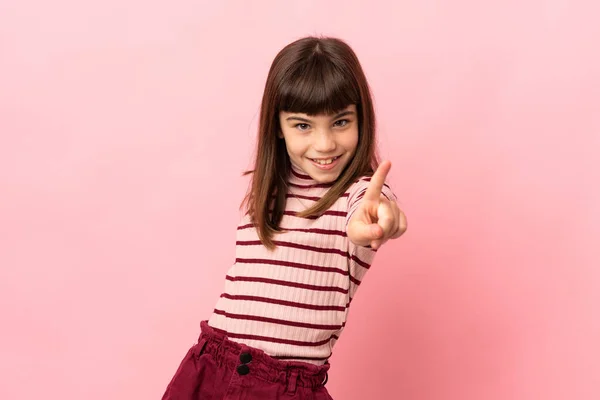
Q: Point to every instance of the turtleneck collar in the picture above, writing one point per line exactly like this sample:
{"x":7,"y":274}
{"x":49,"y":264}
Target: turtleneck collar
{"x":301,"y":180}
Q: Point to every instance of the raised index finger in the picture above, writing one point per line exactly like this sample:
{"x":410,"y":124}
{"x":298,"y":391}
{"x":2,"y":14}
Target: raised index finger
{"x":377,"y":180}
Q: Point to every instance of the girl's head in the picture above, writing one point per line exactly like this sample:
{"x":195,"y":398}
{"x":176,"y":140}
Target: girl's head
{"x":321,"y":145}
{"x":316,"y":109}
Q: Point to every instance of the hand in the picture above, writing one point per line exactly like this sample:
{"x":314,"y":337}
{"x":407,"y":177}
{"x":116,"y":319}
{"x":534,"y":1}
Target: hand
{"x":377,"y":219}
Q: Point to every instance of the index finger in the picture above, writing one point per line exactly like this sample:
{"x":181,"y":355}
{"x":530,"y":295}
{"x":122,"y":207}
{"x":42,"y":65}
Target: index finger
{"x":377,"y":180}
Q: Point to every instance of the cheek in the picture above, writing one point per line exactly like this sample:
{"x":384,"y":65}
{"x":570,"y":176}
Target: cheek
{"x":351,"y":141}
{"x":294,"y":145}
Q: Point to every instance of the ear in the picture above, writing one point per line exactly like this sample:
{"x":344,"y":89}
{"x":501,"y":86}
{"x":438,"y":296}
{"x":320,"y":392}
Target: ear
{"x":280,"y":134}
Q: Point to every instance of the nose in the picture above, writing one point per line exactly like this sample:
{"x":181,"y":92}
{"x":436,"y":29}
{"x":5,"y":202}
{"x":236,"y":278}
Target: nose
{"x":324,"y":141}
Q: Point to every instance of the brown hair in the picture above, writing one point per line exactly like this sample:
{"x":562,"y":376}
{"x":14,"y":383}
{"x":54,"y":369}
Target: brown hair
{"x":312,"y":76}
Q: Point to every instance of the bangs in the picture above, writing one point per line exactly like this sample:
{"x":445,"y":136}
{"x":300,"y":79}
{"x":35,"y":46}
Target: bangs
{"x":317,"y":86}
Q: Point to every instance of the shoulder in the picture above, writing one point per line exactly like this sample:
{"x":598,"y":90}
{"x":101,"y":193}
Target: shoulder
{"x":357,"y":190}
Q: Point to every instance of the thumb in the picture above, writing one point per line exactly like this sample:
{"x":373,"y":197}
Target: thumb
{"x":362,"y":234}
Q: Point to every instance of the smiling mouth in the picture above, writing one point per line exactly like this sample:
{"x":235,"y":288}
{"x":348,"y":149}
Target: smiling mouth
{"x":324,"y":161}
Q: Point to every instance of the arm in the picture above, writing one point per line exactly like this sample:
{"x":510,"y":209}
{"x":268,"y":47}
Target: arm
{"x":376,"y":218}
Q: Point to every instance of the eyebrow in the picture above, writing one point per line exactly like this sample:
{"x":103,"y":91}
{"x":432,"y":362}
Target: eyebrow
{"x":342,"y":114}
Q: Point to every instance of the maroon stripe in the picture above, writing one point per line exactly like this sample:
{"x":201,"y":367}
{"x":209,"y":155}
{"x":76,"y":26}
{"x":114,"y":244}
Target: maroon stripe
{"x":247,"y":226}
{"x":295,"y":246}
{"x":286,"y":283}
{"x":362,"y":192}
{"x":314,"y":198}
{"x":307,"y":230}
{"x":360,"y":196}
{"x":276,"y":340}
{"x":360,"y":262}
{"x":311,"y":248}
{"x":277,"y":321}
{"x":269,"y":261}
{"x":283,"y":302}
{"x":318,"y":230}
{"x":302,"y":176}
{"x":328,"y":212}
{"x":368,"y":179}
{"x":301,"y":358}
{"x":317,"y":185}
{"x":354,"y":280}
{"x":293,"y":214}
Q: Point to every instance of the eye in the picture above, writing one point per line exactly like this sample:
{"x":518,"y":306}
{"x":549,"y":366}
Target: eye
{"x":341,"y":122}
{"x":302,"y":127}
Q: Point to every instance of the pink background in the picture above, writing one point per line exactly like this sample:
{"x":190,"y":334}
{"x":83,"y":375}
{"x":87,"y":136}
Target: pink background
{"x":121,"y":121}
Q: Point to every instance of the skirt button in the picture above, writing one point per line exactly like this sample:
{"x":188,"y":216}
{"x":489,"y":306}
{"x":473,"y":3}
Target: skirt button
{"x":245,"y":358}
{"x":243,"y":369}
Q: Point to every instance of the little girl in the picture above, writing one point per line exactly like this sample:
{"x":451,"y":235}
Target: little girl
{"x":317,"y":209}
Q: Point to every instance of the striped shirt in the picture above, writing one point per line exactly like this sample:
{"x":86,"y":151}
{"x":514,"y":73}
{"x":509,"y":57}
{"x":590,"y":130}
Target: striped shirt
{"x":293,"y":302}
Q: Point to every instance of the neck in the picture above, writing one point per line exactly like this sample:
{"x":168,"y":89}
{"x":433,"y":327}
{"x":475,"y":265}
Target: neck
{"x":300,"y":179}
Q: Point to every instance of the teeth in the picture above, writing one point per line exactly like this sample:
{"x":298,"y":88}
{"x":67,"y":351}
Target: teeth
{"x":325,"y":162}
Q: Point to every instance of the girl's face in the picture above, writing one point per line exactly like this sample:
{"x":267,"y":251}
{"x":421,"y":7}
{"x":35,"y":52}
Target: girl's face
{"x":320,"y":145}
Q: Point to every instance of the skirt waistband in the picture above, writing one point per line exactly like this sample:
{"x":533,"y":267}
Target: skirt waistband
{"x":249,"y":360}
